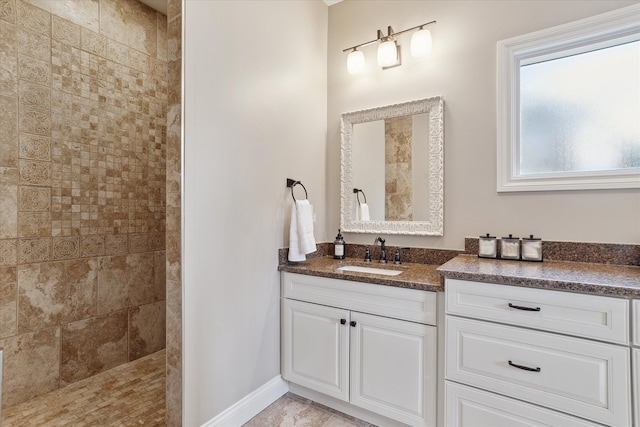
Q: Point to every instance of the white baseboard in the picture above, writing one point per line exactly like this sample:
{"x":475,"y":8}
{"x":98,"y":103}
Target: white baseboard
{"x":250,"y":405}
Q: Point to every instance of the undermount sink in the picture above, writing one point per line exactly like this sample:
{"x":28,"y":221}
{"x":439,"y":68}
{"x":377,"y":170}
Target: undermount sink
{"x":370,"y":270}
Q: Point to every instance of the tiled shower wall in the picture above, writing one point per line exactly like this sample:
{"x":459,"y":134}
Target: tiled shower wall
{"x":398,"y":170}
{"x":174,"y":236}
{"x":83,"y":96}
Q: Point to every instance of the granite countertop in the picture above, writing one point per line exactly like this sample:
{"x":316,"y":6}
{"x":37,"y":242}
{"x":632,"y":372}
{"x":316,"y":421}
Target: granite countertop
{"x":600,"y":279}
{"x":415,"y":276}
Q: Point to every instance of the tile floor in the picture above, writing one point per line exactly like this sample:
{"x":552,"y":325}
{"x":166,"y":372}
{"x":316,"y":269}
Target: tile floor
{"x":295,"y":411}
{"x":128,"y":395}
{"x":133,"y":395}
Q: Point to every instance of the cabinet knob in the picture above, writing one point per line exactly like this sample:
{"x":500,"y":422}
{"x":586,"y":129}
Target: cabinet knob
{"x":343,"y":321}
{"x":353,"y":323}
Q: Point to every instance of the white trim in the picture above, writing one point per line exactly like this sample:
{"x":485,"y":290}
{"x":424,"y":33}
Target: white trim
{"x":511,"y":53}
{"x":250,"y":405}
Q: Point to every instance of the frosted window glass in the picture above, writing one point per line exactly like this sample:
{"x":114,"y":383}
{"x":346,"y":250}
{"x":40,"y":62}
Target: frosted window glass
{"x":581,"y":113}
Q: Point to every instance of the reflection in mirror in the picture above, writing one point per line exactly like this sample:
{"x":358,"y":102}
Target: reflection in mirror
{"x":394,"y":155}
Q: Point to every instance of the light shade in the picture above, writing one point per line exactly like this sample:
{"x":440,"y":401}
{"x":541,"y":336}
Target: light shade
{"x":355,"y":62}
{"x":421,"y":43}
{"x":387,"y":53}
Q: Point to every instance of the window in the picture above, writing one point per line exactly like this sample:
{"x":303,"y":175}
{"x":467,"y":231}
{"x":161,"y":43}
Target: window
{"x":569,"y":106}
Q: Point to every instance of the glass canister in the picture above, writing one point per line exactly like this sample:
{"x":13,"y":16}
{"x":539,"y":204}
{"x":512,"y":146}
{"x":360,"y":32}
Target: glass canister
{"x":510,"y":247}
{"x":487,"y":246}
{"x":532,"y":249}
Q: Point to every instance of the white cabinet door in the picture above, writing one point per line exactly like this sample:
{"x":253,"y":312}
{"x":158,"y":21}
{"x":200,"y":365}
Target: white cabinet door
{"x":393,"y":368}
{"x":635,"y":320}
{"x":315,"y":347}
{"x":470,"y":407}
{"x":636,"y":384}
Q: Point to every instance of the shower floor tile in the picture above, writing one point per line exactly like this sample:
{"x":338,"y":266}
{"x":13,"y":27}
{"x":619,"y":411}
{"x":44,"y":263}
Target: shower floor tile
{"x":132,"y":394}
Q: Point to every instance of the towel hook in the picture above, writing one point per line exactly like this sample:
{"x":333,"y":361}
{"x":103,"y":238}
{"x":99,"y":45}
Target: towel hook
{"x":358,"y":191}
{"x":292,"y":183}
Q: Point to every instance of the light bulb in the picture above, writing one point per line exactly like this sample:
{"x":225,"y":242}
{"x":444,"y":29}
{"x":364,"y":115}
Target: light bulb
{"x":387,"y":54}
{"x":355,"y":62}
{"x":421,"y":43}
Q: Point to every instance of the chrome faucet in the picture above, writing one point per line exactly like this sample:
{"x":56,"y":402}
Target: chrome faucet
{"x":383,"y":252}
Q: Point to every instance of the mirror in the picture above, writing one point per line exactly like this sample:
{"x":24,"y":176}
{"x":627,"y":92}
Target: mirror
{"x":393,"y":157}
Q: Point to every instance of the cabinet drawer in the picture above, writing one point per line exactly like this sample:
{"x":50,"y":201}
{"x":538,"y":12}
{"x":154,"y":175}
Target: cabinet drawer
{"x":636,"y":323}
{"x":399,"y":303}
{"x":577,"y":376}
{"x":589,"y":316}
{"x":470,"y":407}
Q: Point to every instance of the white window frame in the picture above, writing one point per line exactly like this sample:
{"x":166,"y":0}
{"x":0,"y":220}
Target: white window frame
{"x":554,"y":42}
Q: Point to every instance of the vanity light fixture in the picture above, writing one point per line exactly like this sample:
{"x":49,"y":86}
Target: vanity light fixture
{"x":388,"y":48}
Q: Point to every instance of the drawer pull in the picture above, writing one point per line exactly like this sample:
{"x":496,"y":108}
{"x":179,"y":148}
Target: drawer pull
{"x":519,"y":307}
{"x":524,"y":368}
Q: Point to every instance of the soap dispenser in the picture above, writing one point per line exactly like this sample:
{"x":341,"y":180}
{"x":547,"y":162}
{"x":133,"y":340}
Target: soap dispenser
{"x":338,"y":247}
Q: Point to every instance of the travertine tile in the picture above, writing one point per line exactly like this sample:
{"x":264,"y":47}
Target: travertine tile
{"x":50,"y":294}
{"x":8,"y":10}
{"x":173,"y":257}
{"x":34,"y":250}
{"x":147,"y":330}
{"x":162,"y":36}
{"x":93,"y":42}
{"x":160,"y":275}
{"x":35,"y":121}
{"x":93,"y":345}
{"x":34,"y":224}
{"x":65,"y":31}
{"x":8,"y":202}
{"x":139,"y":61}
{"x":8,"y":302}
{"x":138,"y":242}
{"x":8,"y":132}
{"x":115,"y":244}
{"x":34,"y":45}
{"x":131,"y":23}
{"x":117,"y":52}
{"x":140,"y":279}
{"x":92,"y":401}
{"x":34,"y":70}
{"x":291,"y":412}
{"x":35,"y":147}
{"x":113,"y":293}
{"x":84,"y":13}
{"x":66,"y":247}
{"x":157,"y":241}
{"x":8,"y":252}
{"x":35,"y":173}
{"x":34,"y":96}
{"x":34,"y":198}
{"x":33,"y":18}
{"x":31,"y":364}
{"x":92,"y":245}
{"x":8,"y":58}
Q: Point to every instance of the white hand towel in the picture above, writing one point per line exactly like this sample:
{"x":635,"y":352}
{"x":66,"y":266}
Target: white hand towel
{"x":301,"y":239}
{"x":295,"y":254}
{"x":305,"y":226}
{"x":363,"y":212}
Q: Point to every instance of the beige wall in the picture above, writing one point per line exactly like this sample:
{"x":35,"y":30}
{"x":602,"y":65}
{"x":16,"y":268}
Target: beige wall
{"x":254,"y":115}
{"x":83,"y":97}
{"x":462,"y":69}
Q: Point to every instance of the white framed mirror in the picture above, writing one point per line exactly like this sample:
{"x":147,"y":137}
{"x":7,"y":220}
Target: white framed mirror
{"x":392,"y":169}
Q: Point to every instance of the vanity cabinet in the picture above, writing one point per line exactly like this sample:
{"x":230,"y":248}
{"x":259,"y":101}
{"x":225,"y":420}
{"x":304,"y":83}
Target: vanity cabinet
{"x":373,"y":346}
{"x":636,"y":360}
{"x":566,"y":353}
